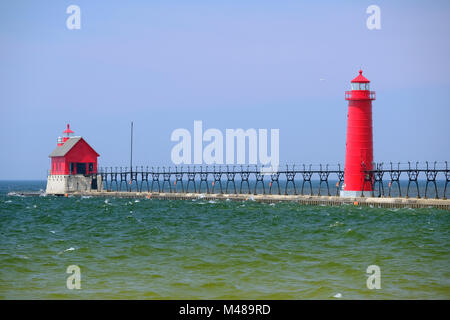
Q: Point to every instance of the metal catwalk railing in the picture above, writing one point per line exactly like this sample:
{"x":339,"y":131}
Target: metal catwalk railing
{"x":290,"y":179}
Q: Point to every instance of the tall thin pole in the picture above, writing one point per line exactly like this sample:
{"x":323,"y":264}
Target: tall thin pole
{"x":131,"y":151}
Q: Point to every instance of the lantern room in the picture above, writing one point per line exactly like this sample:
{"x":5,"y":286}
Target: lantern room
{"x":360,"y":82}
{"x":360,"y":89}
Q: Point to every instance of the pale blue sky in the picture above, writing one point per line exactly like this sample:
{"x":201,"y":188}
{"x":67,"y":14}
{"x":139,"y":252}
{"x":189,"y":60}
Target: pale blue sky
{"x":233,"y":64}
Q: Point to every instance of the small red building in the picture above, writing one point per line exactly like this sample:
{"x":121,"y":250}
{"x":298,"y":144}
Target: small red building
{"x":73,"y":155}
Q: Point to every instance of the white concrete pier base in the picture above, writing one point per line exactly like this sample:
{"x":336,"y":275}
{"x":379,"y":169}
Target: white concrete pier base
{"x":354,"y":194}
{"x":62,"y":184}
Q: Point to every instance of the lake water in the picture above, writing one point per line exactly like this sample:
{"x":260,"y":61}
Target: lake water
{"x":165,"y":249}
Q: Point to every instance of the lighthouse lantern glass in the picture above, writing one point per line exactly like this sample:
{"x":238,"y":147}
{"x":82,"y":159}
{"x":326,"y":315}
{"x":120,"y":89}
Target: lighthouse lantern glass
{"x":360,"y":86}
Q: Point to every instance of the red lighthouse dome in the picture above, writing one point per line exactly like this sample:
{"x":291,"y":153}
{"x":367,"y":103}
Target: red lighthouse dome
{"x":360,"y":78}
{"x":359,"y":145}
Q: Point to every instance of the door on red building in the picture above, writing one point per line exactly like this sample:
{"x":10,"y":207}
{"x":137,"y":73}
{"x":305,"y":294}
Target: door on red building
{"x":81,"y":168}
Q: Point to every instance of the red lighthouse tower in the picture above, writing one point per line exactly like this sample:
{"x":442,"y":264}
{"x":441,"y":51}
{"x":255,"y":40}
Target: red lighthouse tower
{"x":359,"y":146}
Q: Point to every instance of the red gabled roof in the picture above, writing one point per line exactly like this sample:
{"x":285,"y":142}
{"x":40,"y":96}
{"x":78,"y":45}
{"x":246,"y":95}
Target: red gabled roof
{"x":92,"y":149}
{"x":68,"y":145}
{"x":360,"y":78}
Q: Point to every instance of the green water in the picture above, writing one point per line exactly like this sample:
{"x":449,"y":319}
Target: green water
{"x":155,"y":249}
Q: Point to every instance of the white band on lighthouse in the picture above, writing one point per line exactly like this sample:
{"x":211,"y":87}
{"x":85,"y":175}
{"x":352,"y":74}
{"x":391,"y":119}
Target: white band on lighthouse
{"x":354,"y":194}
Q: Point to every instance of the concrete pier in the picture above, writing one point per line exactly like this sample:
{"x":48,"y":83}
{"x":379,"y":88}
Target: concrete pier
{"x":301,"y":199}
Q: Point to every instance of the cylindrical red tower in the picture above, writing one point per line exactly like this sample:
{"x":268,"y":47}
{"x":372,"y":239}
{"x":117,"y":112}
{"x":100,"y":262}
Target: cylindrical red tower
{"x":359,"y":146}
